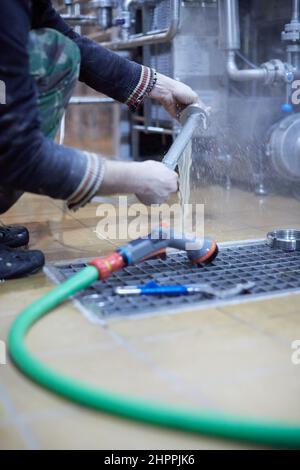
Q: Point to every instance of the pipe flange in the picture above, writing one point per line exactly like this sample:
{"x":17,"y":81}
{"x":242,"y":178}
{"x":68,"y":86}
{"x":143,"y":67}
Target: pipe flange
{"x":277,"y":72}
{"x":291,"y":32}
{"x":286,"y":240}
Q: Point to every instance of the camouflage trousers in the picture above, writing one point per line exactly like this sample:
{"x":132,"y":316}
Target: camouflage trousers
{"x":54,"y":63}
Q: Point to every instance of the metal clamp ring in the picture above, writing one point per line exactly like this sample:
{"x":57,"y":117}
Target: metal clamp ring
{"x":286,"y":240}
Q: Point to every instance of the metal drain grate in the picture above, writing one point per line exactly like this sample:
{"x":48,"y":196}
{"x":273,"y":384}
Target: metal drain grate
{"x":274,"y":272}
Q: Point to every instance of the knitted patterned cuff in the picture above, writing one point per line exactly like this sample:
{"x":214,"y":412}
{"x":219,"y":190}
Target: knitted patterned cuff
{"x":146,"y":84}
{"x":90,"y":182}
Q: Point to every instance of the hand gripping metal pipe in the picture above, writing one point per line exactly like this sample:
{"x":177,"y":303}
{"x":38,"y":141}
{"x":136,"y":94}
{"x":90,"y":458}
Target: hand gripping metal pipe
{"x":192,"y":118}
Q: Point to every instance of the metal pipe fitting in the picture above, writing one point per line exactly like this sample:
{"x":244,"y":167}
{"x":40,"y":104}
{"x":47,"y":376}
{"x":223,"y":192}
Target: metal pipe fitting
{"x":192,"y":118}
{"x":125,"y":20}
{"x":230,"y":41}
{"x":291,"y":36}
{"x":268,"y":73}
{"x":155,"y":37}
{"x":286,"y":240}
{"x":104,"y":12}
{"x":259,"y":74}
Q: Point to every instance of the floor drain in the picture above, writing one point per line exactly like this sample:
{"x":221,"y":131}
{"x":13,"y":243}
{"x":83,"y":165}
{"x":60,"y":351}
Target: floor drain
{"x":274,"y":272}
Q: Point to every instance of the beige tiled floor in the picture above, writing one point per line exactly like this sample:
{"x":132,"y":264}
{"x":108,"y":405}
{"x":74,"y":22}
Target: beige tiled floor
{"x":234,"y":358}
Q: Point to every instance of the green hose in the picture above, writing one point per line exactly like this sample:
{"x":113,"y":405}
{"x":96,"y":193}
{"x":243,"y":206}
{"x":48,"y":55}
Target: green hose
{"x":185,"y":419}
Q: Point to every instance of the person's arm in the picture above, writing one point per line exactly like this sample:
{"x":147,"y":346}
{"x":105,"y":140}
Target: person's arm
{"x":103,"y":70}
{"x":29,"y":161}
{"x":33,"y":163}
{"x":109,"y":73}
{"x":151,"y":181}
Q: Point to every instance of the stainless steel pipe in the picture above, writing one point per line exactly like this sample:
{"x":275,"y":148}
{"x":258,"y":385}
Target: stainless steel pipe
{"x":296,"y":10}
{"x":230,"y":41}
{"x":258,"y":74}
{"x":192,"y":118}
{"x":229,"y":19}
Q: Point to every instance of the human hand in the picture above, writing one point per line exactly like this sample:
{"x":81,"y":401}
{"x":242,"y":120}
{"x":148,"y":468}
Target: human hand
{"x":151,"y":181}
{"x":174,"y":96}
{"x":156,"y":182}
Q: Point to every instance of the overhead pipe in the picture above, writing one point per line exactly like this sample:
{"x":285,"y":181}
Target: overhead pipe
{"x":296,"y":10}
{"x":229,"y":25}
{"x":231,"y":42}
{"x":154,"y":37}
{"x":90,"y":100}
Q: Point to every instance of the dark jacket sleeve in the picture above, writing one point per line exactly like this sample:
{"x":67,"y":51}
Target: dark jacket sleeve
{"x":28,"y":160}
{"x":103,"y":70}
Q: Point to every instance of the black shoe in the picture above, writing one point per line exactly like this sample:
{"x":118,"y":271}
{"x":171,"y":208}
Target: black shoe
{"x":19,"y":263}
{"x":13,"y":236}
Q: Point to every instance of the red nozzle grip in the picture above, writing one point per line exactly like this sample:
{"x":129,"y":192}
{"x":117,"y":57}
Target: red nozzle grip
{"x":108,"y":264}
